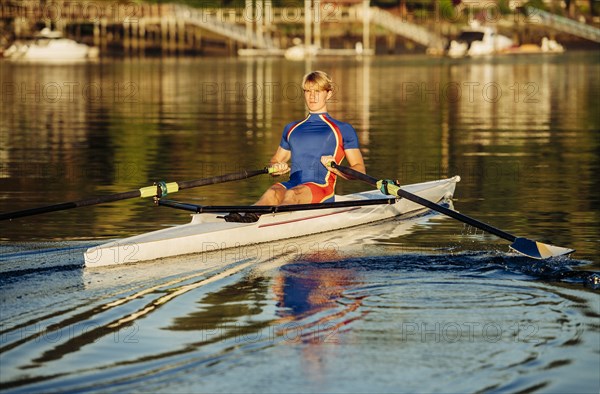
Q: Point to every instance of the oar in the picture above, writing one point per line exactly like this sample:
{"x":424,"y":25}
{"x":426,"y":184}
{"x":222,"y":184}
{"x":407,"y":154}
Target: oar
{"x":527,"y":247}
{"x":159,"y":189}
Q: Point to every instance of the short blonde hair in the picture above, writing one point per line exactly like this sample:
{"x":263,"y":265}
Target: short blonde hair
{"x":323,"y":81}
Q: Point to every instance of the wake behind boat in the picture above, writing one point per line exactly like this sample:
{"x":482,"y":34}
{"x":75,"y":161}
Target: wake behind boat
{"x":208,"y":232}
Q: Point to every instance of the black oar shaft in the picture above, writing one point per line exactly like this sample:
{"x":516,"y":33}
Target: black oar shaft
{"x":149,"y":191}
{"x":69,"y":205}
{"x":237,"y":176}
{"x":273,"y":208}
{"x":429,"y":204}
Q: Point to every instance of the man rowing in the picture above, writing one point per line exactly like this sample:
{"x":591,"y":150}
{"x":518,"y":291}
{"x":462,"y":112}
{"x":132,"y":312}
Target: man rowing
{"x":311,"y":144}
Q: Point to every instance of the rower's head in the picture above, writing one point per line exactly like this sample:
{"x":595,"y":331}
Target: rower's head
{"x":318,"y":88}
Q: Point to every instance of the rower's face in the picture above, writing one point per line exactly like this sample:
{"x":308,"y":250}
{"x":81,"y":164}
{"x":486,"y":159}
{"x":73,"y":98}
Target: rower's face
{"x":315,"y":97}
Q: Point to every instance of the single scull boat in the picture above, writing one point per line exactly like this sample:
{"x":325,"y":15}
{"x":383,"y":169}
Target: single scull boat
{"x":208,"y":232}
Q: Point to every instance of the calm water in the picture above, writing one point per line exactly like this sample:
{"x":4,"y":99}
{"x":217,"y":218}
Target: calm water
{"x":425,"y":306}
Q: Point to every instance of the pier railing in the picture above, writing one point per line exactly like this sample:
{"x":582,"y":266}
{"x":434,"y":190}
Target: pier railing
{"x":399,"y":26}
{"x":210,"y":21}
{"x":563,"y":24}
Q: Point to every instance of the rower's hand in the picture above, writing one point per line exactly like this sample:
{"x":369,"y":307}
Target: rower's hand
{"x":279,"y":169}
{"x":326,"y":161}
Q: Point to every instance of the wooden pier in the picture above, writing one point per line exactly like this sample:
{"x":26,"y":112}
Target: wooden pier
{"x":138,"y":28}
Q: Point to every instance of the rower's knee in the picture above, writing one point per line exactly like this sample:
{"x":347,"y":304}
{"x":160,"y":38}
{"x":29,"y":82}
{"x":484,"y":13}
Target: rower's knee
{"x":289,"y":197}
{"x":272,"y":196}
{"x":297,"y":195}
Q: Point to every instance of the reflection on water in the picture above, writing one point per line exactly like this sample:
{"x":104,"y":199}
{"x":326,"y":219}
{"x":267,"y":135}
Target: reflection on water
{"x":315,"y":321}
{"x":385,"y":308}
{"x":230,"y":312}
{"x":521,"y":131}
{"x":308,"y":289}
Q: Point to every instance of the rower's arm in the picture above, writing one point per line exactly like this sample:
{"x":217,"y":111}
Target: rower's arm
{"x":280,"y":159}
{"x":355,"y":161}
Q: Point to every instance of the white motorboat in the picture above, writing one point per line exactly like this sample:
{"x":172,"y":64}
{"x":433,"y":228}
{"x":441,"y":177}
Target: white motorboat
{"x":50,"y":46}
{"x":478,"y":40}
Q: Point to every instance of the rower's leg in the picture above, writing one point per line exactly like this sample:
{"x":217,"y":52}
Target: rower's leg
{"x":273,"y":196}
{"x":300,"y":194}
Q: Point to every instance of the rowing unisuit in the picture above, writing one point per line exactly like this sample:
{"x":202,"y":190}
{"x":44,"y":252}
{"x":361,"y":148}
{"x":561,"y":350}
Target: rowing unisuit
{"x":309,"y":139}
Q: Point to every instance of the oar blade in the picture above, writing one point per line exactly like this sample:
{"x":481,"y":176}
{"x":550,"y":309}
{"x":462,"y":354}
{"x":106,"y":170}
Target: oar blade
{"x":538,"y":250}
{"x":527,"y":247}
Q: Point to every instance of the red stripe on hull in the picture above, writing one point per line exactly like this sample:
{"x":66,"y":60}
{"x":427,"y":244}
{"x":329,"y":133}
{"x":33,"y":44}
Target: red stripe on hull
{"x":308,"y":218}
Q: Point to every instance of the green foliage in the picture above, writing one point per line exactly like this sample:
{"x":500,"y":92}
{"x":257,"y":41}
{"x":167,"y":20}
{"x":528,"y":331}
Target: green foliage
{"x":504,"y":7}
{"x":539,"y":4}
{"x":447,"y":9}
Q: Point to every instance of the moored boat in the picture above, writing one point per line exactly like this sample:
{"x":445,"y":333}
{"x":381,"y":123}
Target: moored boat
{"x":477,"y":40}
{"x":208,"y":232}
{"x":547,"y":46}
{"x":50,"y":46}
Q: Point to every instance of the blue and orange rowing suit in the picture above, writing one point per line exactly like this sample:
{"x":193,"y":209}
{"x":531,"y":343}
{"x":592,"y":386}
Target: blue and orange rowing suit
{"x":309,"y":139}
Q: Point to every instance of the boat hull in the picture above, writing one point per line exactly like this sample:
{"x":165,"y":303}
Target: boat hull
{"x":208,"y":232}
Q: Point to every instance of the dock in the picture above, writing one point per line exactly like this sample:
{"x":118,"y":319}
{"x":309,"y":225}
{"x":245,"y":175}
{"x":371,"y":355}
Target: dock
{"x":257,"y":28}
